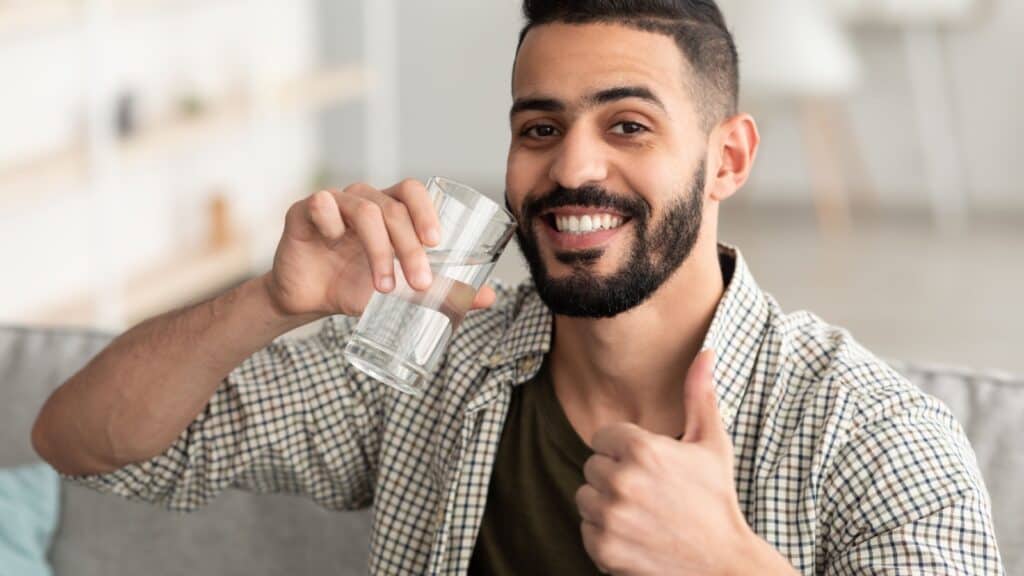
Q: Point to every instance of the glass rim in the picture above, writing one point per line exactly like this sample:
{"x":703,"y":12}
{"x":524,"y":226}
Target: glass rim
{"x":442,"y":180}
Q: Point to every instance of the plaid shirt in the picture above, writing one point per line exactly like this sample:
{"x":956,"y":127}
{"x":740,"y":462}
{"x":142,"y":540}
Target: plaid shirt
{"x":840,"y":463}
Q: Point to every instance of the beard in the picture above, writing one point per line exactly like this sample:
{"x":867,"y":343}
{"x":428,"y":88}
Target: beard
{"x":658,"y":250}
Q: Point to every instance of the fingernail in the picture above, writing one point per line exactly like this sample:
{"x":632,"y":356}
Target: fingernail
{"x":433,"y":236}
{"x":387,"y":283}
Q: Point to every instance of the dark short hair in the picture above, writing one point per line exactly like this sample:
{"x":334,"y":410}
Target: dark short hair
{"x":697,"y":26}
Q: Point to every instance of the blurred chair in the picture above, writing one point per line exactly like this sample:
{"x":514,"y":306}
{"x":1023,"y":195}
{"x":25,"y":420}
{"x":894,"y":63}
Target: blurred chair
{"x":795,"y":50}
{"x":923,"y":25}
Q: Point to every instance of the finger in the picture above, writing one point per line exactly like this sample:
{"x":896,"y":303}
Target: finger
{"x":297,"y":224}
{"x":590,"y":504}
{"x":367,"y":220}
{"x":416,"y":197}
{"x":590,"y":535}
{"x":404,"y":240}
{"x":597,"y":471}
{"x":323,"y":212}
{"x":618,"y":440}
{"x":485,"y":297}
{"x":703,"y":421}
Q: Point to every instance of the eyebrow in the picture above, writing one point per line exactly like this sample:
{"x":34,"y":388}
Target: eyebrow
{"x":606,"y":96}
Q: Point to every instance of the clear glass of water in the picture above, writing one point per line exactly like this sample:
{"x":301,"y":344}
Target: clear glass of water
{"x":402,"y":335}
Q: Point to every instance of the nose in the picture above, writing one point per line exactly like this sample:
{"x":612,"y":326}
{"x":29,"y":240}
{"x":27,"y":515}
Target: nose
{"x":580,"y":160}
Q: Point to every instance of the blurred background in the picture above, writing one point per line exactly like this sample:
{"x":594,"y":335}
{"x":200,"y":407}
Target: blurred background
{"x":149,"y":149}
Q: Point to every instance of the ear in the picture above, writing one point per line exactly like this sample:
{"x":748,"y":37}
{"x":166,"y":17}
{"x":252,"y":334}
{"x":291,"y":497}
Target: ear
{"x":733,"y":148}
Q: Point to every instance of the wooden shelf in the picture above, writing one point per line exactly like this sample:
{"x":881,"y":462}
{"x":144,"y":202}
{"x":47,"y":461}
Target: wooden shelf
{"x":178,"y":280}
{"x":172,"y":135}
{"x":29,"y":16}
{"x":325,"y":88}
{"x":184,"y":273}
{"x":183,"y":278}
{"x":169,"y":284}
{"x":313,"y":92}
{"x":67,"y":168}
{"x":58,"y":169}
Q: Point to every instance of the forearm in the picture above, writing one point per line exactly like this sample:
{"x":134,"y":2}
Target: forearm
{"x":136,"y":397}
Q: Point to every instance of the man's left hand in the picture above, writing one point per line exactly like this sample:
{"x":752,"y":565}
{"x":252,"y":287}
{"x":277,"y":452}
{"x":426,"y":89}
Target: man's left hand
{"x":652,"y":504}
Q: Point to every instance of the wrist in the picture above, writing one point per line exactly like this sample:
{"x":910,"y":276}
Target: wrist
{"x":278,"y":316}
{"x":756,"y":556}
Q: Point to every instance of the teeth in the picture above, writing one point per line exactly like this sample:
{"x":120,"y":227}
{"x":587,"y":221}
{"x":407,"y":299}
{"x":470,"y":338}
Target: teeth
{"x":587,"y":223}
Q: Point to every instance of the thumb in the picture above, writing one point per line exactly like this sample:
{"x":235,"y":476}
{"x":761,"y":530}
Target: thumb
{"x":484,"y":298}
{"x":703,"y":422}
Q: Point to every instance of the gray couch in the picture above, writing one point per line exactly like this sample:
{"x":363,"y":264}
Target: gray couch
{"x":242,"y":533}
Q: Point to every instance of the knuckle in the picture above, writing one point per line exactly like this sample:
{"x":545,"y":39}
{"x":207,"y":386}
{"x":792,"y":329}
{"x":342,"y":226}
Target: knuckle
{"x":367,"y":210}
{"x":624,"y":483}
{"x":379,"y":253}
{"x":356,"y":187}
{"x":395,"y":211}
{"x":409,"y":255}
{"x":612,"y":515}
{"x":411,"y":190}
{"x":381,"y":261}
{"x":639,"y":449}
{"x":409,"y":186}
{"x":581,"y":500}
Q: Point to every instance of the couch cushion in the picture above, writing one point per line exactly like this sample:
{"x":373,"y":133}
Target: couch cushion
{"x":252,"y":534}
{"x":239,"y":533}
{"x":990,"y":407}
{"x":34,"y":362}
{"x":29,"y":498}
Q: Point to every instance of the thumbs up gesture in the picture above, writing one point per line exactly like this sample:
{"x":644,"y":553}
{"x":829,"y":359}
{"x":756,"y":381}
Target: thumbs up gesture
{"x":652,"y":504}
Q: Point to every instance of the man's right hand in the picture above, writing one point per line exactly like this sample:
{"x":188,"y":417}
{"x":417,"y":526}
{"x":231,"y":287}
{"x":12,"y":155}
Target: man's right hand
{"x":337,"y":247}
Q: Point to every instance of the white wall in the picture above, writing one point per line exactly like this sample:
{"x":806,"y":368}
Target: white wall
{"x":456,"y":61}
{"x":341,"y":38}
{"x":456,"y":65}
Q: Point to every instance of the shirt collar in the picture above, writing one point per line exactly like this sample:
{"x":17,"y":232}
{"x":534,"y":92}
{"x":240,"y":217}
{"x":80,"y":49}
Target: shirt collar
{"x":736,"y":332}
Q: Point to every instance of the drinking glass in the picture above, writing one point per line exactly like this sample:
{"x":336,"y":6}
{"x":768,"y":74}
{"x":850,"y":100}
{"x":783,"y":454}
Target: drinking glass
{"x":402,"y":335}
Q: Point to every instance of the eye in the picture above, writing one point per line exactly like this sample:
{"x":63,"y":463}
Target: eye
{"x":630,"y":128}
{"x":538,"y":131}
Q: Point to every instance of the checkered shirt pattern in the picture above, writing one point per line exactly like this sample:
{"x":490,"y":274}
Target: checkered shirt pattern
{"x":840,"y":463}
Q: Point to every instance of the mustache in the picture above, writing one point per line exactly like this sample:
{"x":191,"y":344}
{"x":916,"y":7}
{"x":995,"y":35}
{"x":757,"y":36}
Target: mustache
{"x":589,"y":196}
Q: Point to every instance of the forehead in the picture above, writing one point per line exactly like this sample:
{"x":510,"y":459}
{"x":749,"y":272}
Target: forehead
{"x":569,"y":60}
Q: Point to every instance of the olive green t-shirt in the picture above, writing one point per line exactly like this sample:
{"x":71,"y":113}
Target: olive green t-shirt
{"x":531,"y":524}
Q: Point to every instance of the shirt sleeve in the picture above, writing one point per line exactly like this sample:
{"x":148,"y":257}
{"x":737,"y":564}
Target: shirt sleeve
{"x":295,"y":417}
{"x":905,"y":496}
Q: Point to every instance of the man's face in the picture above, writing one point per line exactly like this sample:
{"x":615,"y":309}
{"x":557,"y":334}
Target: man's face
{"x":605,"y":138}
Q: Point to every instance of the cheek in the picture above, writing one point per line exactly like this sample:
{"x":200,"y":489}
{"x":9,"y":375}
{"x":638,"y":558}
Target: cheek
{"x":524,"y":170}
{"x":659,"y":180}
{"x":522,"y":174}
{"x":652,"y":171}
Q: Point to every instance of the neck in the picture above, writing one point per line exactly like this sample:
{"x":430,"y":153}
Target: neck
{"x":632,"y":367}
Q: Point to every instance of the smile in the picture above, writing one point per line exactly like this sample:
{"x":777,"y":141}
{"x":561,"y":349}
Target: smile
{"x":577,"y":229}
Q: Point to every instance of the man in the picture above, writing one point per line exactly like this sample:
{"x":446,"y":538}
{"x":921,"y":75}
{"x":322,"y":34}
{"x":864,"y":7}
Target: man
{"x":639,"y":407}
